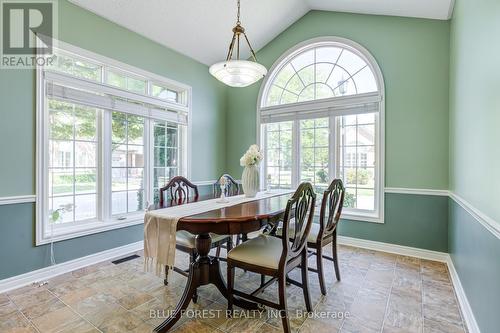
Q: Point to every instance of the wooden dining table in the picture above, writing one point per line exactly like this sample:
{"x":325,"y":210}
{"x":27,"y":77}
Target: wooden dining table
{"x":242,"y":218}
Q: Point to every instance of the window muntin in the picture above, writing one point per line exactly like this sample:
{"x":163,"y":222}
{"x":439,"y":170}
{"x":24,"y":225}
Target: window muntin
{"x":338,"y":82}
{"x":95,"y":142}
{"x":319,"y":73}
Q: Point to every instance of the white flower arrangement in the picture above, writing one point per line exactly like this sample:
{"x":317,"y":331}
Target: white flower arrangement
{"x":253,"y":156}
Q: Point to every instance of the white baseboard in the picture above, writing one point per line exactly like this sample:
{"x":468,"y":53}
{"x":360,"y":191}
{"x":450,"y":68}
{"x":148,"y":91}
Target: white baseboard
{"x":46,"y":273}
{"x":65,"y":267}
{"x":469,"y":318}
{"x":393,"y":248}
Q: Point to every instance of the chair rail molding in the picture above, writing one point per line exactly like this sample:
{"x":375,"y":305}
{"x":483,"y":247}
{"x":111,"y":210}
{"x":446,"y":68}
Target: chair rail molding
{"x":490,"y":224}
{"x":18,"y":199}
{"x":417,"y":191}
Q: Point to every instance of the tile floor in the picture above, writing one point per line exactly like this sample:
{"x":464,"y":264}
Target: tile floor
{"x":379,"y":292}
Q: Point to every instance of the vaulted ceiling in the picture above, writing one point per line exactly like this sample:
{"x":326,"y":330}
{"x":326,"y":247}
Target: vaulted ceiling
{"x":201,"y":29}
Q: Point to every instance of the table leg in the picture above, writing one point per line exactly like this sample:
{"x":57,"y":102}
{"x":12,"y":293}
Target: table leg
{"x":203,"y":271}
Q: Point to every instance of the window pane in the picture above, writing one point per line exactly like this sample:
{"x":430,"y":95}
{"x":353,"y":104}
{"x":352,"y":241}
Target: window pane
{"x":77,"y":67}
{"x":119,"y":202}
{"x":117,"y":80}
{"x":279,"y":154}
{"x":365,"y":199}
{"x":128,"y":162}
{"x":357,"y":160}
{"x":85,"y":181}
{"x":85,"y":123}
{"x":314,"y":152}
{"x":60,"y":202}
{"x":321,"y":72}
{"x":85,"y":207}
{"x":61,"y":182}
{"x":85,"y":154}
{"x":135,"y":201}
{"x":164,"y":93}
{"x":73,"y":161}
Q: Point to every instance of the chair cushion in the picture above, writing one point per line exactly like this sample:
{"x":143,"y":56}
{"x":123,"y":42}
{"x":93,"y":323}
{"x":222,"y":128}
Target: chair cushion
{"x":186,"y":239}
{"x":263,"y":251}
{"x":311,"y":238}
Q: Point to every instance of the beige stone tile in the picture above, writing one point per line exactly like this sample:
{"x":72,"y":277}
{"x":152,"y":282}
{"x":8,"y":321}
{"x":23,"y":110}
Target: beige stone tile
{"x":380,"y":280}
{"x":353,"y":324}
{"x":266,"y":328}
{"x":100,"y":316}
{"x":431,"y":326}
{"x":369,"y":307}
{"x":443,"y":313}
{"x":93,"y":304}
{"x":79,"y":326}
{"x":7,"y":309}
{"x":56,"y":321}
{"x":27,"y":329}
{"x":237,"y":325}
{"x":403,"y":316}
{"x":121,"y":322}
{"x":195,"y":326}
{"x":320,"y":326}
{"x":133,"y":299}
{"x":31,"y":297}
{"x":4,"y":299}
{"x":13,"y":321}
{"x":39,"y":309}
{"x":76,"y":296}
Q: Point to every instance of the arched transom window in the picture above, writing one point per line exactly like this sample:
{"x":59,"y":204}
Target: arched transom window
{"x":321,"y":72}
{"x":321,"y":115}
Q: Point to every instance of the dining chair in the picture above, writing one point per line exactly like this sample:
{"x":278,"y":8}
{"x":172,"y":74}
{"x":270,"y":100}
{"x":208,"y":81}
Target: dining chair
{"x":325,"y":232}
{"x":232,"y":187}
{"x":275,"y":257}
{"x":180,"y":191}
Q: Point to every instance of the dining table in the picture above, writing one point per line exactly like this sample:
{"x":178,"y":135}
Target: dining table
{"x":240,"y":218}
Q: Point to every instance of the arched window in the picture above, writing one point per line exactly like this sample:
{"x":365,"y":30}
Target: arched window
{"x":320,"y":115}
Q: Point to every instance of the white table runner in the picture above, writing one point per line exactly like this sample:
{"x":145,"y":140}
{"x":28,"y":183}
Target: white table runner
{"x":160,"y":227}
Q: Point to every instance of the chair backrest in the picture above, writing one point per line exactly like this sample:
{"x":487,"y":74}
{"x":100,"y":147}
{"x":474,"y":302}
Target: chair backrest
{"x":331,"y":208}
{"x":232,"y":187}
{"x":180,"y":190}
{"x":300,"y":208}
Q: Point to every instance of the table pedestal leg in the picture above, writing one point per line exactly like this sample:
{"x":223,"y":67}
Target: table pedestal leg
{"x":203,"y":271}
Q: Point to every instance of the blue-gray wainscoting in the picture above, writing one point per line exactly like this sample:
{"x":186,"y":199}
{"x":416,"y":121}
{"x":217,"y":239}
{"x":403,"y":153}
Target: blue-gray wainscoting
{"x":411,"y":220}
{"x":475,"y":252}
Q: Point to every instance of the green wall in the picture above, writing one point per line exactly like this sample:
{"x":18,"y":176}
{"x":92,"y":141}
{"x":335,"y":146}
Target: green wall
{"x":475,"y":153}
{"x":17,"y":125}
{"x":414,"y":57}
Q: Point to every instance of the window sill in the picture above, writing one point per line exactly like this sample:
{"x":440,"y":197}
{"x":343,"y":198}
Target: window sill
{"x":85,"y":229}
{"x":363,"y":218}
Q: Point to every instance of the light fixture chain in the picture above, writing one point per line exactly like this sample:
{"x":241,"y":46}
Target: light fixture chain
{"x":238,"y":16}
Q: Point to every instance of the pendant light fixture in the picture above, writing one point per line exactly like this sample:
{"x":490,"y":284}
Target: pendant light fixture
{"x":238,"y":73}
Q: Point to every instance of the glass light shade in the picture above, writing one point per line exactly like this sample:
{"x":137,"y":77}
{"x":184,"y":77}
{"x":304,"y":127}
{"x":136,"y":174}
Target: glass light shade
{"x":238,"y":73}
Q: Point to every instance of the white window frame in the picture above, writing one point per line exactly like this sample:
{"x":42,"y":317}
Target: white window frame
{"x":309,"y":109}
{"x":78,"y":229}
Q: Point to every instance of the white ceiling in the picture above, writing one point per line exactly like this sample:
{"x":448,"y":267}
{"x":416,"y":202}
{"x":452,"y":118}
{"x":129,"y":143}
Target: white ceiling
{"x":201,"y":29}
